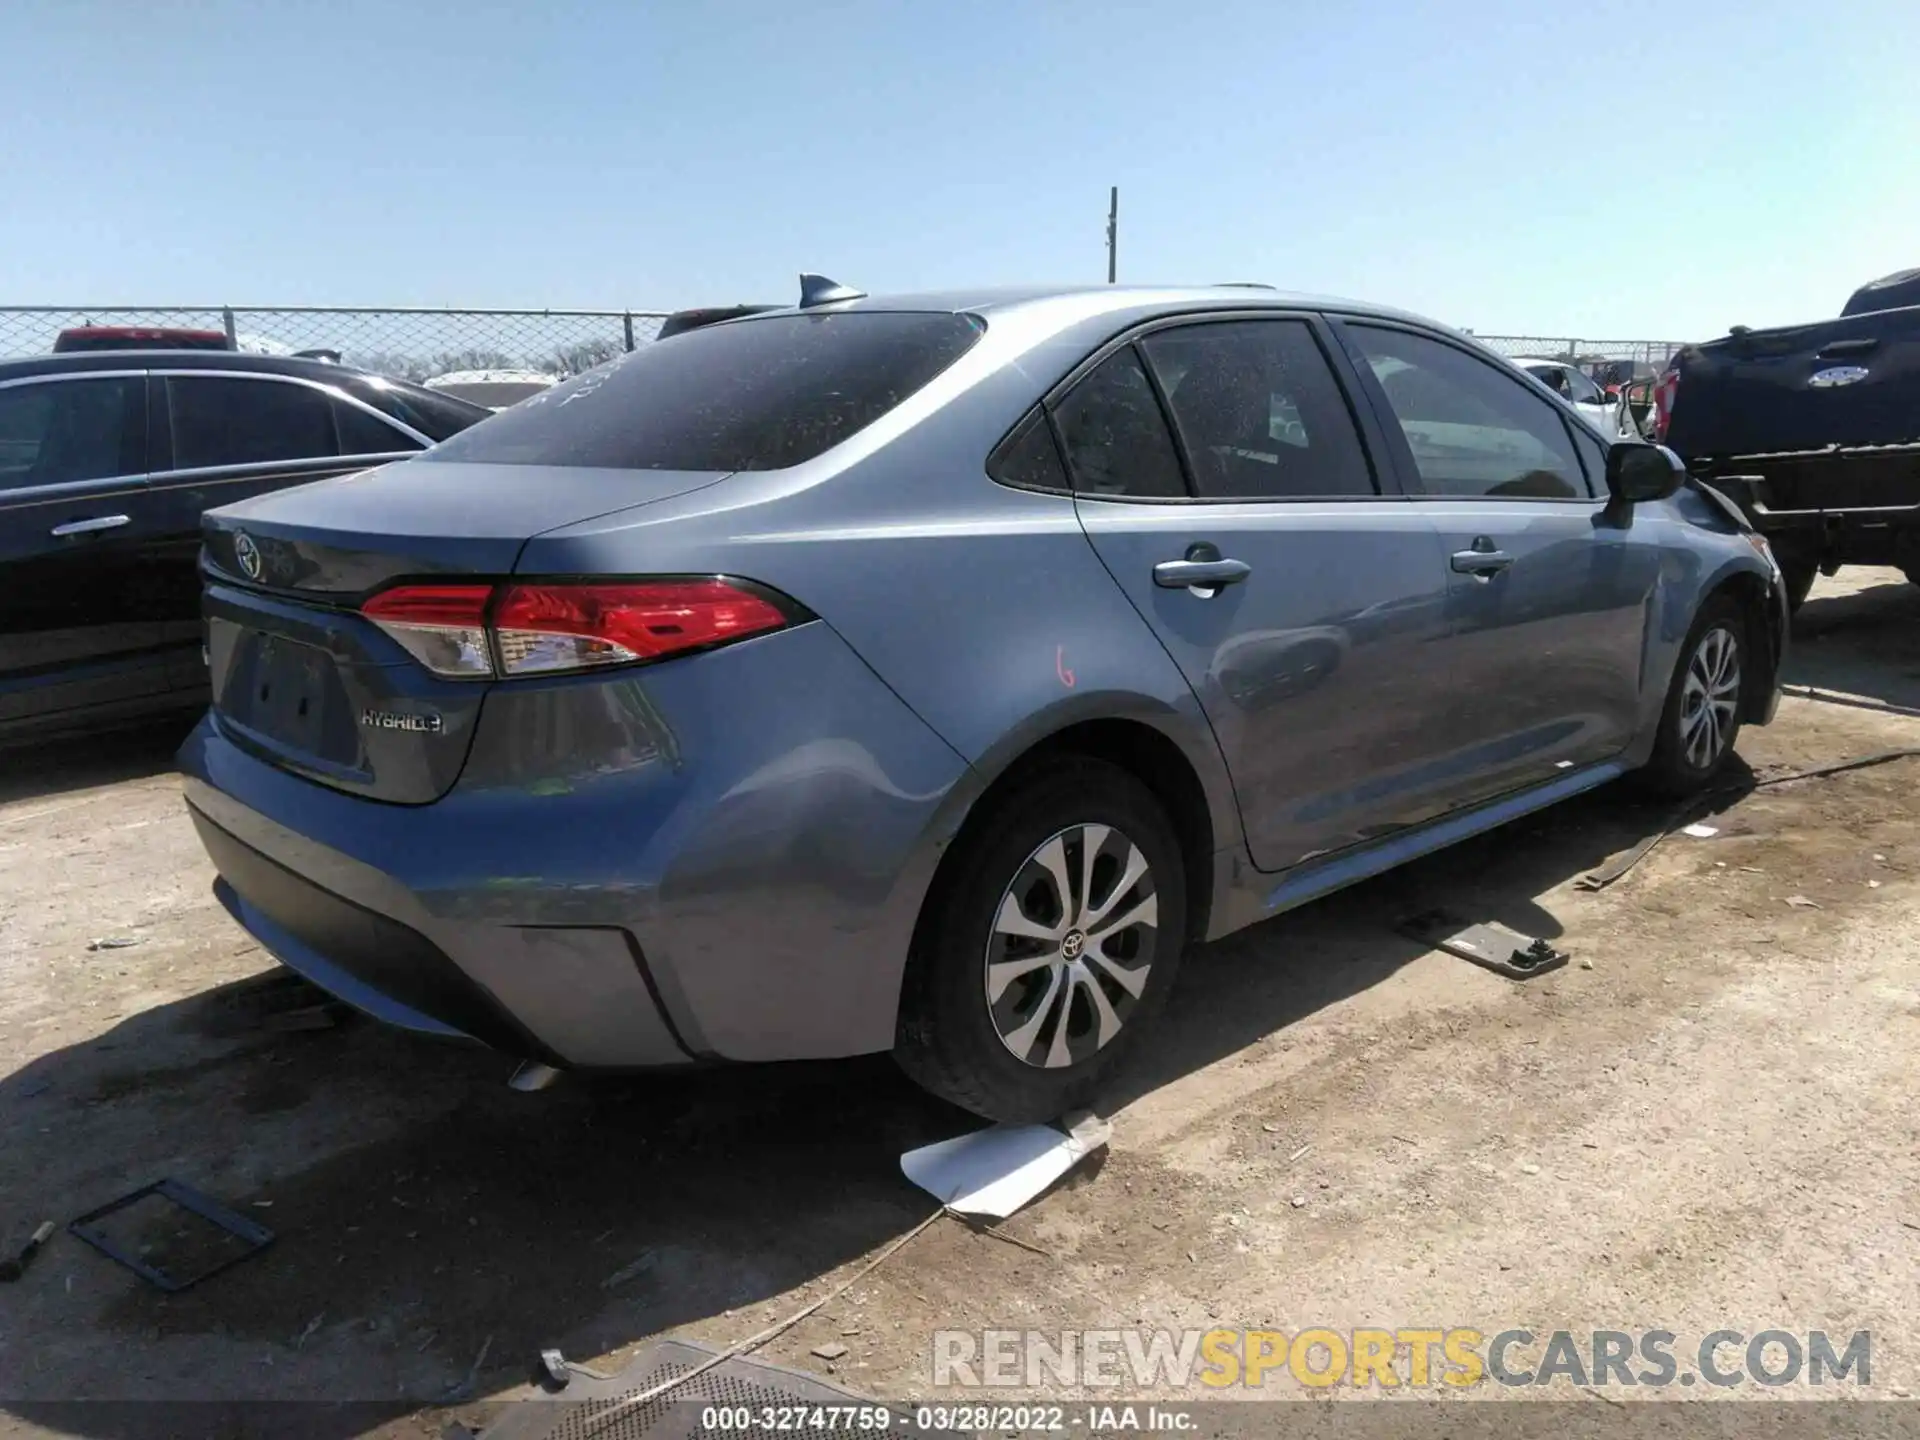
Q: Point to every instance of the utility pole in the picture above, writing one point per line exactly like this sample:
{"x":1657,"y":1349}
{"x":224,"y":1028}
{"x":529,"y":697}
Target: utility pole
{"x":1113,"y":233}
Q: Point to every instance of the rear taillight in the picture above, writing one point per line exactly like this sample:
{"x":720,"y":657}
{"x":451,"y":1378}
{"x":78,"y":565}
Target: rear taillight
{"x":444,"y":627}
{"x":549,"y":627}
{"x":1665,"y":391}
{"x":572,"y":627}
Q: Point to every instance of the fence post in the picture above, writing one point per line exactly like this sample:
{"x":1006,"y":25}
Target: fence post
{"x":226,"y":319}
{"x":629,"y":325}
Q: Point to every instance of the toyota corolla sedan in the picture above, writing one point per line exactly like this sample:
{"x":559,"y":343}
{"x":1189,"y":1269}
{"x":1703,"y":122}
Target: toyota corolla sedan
{"x":925,"y":674}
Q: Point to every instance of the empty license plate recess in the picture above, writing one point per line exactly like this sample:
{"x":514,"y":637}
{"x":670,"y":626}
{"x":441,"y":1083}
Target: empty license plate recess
{"x":290,"y":693}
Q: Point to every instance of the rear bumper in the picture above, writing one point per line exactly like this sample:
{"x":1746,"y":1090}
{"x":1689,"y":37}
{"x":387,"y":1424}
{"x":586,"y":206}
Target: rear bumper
{"x":374,"y":963}
{"x":570,"y":996}
{"x":633,"y":871}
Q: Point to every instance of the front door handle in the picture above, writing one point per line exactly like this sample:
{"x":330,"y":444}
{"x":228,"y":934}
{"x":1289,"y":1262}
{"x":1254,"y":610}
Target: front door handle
{"x":89,"y":527}
{"x":1199,"y":574}
{"x":1486,"y":563}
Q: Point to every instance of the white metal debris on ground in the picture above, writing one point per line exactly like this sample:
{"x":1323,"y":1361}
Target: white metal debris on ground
{"x":994,"y":1172}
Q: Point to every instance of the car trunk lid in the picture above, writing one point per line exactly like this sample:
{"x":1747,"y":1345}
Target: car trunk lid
{"x":306,"y":681}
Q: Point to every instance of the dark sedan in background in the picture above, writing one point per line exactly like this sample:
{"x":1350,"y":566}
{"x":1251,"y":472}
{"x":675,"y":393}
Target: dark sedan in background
{"x":107,"y":460}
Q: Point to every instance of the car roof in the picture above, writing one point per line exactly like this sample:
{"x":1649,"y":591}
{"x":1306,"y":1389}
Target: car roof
{"x":232,"y":360}
{"x":1087,"y":301}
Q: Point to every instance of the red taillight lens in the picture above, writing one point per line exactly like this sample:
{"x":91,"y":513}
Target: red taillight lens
{"x":571,"y":627}
{"x":548,"y":627}
{"x":1664,"y":393}
{"x":444,"y":627}
{"x":443,"y":605}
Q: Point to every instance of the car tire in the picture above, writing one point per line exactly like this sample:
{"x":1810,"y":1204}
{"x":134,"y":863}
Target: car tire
{"x":1698,"y":730}
{"x":1010,"y":983}
{"x":1799,"y":576}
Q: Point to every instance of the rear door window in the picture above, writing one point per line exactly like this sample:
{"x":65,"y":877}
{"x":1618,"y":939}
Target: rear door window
{"x":229,"y":421}
{"x":60,"y":431}
{"x":759,"y":394}
{"x":1115,"y":435}
{"x":1259,"y":411}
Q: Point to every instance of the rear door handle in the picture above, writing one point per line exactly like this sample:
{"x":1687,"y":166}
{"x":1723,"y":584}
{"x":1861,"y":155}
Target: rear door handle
{"x":1484,"y":563}
{"x":89,"y":527}
{"x":1199,"y":574}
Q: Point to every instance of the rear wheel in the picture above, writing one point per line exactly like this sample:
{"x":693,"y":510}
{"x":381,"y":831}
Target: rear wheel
{"x":1701,"y":720}
{"x":1049,"y":946}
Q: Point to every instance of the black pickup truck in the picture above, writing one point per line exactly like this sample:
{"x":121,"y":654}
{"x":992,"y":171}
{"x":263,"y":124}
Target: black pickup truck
{"x":1813,"y":430}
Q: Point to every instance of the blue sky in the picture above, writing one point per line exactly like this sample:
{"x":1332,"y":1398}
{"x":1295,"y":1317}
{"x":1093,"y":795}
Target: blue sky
{"x":1657,"y":170}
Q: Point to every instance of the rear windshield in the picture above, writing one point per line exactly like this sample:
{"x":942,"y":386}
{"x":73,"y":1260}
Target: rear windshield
{"x":750,"y":395}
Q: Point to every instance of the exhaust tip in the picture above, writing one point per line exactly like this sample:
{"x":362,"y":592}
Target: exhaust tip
{"x":531,"y":1075}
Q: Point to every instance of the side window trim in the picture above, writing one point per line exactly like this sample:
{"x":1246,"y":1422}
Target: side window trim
{"x":159,"y":426}
{"x":1168,"y":419}
{"x":1376,"y":441}
{"x":1576,"y":434}
{"x":1396,"y":440}
{"x":127,"y":480}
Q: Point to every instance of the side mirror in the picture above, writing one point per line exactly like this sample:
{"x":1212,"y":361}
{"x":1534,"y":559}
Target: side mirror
{"x":1637,"y":472}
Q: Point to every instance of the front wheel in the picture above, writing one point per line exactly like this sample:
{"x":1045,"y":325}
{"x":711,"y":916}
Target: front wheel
{"x":1702,"y":716}
{"x":1048,"y":947}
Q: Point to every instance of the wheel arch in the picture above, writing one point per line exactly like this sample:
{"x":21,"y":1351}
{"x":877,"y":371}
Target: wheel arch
{"x":1756,"y":595}
{"x":1205,"y":820}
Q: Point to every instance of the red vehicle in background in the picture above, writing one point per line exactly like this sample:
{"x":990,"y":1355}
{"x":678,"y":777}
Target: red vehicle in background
{"x":82,"y":338}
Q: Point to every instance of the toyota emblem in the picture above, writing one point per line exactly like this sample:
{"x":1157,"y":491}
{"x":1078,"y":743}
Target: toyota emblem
{"x":247,"y":553}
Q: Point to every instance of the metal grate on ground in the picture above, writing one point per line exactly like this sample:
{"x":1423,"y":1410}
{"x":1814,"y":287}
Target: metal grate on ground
{"x":591,"y":1409}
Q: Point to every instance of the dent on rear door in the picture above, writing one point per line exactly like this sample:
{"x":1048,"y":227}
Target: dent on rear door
{"x":1320,"y":672}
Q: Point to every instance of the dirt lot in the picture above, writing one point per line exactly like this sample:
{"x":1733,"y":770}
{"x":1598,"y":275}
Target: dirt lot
{"x":1706,"y":1120}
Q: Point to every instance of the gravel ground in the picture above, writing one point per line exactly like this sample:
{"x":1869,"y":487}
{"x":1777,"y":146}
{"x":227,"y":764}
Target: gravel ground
{"x":1703,"y":1122}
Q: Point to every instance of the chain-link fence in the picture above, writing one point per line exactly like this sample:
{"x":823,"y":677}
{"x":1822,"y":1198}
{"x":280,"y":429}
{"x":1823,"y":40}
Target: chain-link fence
{"x":418,"y":343}
{"x":1654,"y":353}
{"x":411,"y":344}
